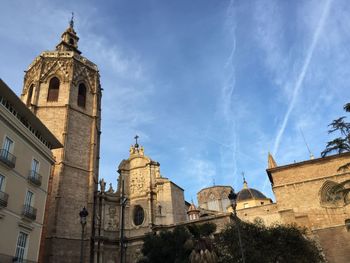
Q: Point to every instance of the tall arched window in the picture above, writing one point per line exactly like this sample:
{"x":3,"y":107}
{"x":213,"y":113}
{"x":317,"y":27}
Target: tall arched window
{"x":30,"y":95}
{"x":54,"y":87}
{"x":81,"y":95}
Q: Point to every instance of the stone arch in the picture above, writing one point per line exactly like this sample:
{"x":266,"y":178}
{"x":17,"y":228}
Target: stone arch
{"x":328,"y":195}
{"x":57,"y":69}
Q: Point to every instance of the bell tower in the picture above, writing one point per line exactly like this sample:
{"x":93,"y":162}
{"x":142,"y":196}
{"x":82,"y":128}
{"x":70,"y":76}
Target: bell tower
{"x":62,"y":88}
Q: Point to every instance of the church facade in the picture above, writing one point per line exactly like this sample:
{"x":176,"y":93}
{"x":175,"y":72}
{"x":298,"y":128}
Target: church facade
{"x":62,"y":88}
{"x":150,"y":200}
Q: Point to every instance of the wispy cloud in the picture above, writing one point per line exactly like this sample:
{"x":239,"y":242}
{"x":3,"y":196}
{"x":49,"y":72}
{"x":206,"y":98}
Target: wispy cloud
{"x":302,"y":74}
{"x":228,"y":141}
{"x":203,"y":172}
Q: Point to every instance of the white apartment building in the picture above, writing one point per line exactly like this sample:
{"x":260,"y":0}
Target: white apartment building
{"x":25,"y":167}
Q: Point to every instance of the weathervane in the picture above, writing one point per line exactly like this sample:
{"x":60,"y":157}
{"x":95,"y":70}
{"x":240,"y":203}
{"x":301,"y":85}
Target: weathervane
{"x":71,"y":22}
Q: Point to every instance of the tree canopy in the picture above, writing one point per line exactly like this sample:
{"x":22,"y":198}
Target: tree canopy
{"x":277,"y":243}
{"x":342,"y":143}
{"x":167,"y":246}
{"x":339,"y":144}
{"x":178,"y":246}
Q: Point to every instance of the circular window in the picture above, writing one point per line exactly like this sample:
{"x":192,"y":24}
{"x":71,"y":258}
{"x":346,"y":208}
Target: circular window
{"x":139,"y":215}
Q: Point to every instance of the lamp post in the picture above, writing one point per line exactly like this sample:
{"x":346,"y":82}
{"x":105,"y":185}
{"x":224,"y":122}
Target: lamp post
{"x":123,"y":201}
{"x":83,"y":214}
{"x":233,"y":199}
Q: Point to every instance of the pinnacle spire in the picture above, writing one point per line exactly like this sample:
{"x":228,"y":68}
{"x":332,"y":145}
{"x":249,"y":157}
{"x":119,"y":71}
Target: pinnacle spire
{"x":271,"y":163}
{"x":71,"y":22}
{"x":245,"y":184}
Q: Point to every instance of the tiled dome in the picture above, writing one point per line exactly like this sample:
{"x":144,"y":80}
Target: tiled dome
{"x":250,"y":193}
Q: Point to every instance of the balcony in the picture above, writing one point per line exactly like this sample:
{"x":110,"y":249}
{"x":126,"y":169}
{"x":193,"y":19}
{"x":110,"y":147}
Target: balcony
{"x":34,"y":178}
{"x":29,"y":212}
{"x":7,"y":158}
{"x":3,"y":199}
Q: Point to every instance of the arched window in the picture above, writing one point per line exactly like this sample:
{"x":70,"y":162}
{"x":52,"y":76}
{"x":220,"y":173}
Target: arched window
{"x":81,"y":95}
{"x":327,"y":193}
{"x":30,"y":94}
{"x":53,"y":89}
{"x":71,"y":41}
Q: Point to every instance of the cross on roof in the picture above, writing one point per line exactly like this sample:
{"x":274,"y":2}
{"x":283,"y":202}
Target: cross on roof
{"x":243,"y":177}
{"x":136,"y":144}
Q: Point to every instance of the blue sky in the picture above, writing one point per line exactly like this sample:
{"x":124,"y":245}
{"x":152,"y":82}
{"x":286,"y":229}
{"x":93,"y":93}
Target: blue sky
{"x":209,"y":86}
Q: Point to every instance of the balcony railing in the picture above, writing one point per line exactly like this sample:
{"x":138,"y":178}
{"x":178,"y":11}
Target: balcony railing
{"x":34,"y":178}
{"x":4,"y":258}
{"x":3,"y":199}
{"x":29,"y":212}
{"x":7,"y":158}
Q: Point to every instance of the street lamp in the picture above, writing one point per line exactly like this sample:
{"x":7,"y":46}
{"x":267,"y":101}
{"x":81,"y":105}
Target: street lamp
{"x":233,"y":199}
{"x":83,"y":214}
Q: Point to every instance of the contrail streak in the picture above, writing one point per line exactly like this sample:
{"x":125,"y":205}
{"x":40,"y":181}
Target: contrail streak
{"x":228,"y":92}
{"x":302,"y":74}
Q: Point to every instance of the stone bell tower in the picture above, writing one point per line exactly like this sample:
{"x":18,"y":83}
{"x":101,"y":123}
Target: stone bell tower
{"x":63,"y":90}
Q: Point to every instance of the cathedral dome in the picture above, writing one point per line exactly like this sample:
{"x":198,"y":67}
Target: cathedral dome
{"x":250,"y":197}
{"x":249,"y":193}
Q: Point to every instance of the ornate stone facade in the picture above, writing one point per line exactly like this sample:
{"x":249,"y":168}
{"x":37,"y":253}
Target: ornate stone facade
{"x":62,"y":88}
{"x":152,"y":201}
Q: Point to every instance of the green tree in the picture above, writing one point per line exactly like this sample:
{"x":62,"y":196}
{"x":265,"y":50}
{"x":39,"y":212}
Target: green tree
{"x":278,"y":243}
{"x":202,"y":239}
{"x":177,"y":246}
{"x":167,"y":246}
{"x":340,"y":144}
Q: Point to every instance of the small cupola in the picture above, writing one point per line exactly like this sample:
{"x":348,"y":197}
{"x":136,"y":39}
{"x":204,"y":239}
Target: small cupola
{"x":193,"y":212}
{"x":69,"y":39}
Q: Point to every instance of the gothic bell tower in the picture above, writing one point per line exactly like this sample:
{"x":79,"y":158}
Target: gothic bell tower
{"x":62,"y":88}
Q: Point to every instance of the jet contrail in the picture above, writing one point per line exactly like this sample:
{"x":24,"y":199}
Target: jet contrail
{"x":228,"y":90}
{"x":302,"y":74}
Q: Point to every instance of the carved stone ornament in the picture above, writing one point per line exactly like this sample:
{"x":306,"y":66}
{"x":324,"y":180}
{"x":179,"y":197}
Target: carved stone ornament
{"x":81,"y":73}
{"x":137,"y":183}
{"x":335,"y":194}
{"x":102,"y":185}
{"x":110,"y":190}
{"x":111,"y":222}
{"x":31,"y":76}
{"x":56,"y":67}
